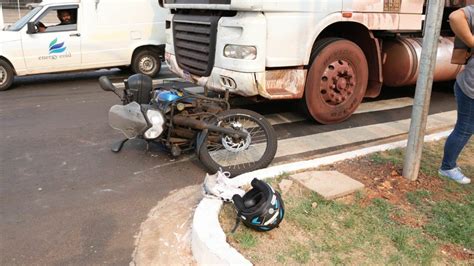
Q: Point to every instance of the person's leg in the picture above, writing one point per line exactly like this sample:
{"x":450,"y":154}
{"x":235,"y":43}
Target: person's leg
{"x":462,"y":132}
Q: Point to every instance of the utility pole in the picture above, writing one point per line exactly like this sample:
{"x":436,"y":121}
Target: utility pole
{"x":2,"y":23}
{"x":18,"y":6}
{"x":424,"y":84}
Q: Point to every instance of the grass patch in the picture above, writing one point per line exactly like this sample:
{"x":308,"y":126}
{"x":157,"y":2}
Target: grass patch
{"x":417,"y":197}
{"x":337,"y":231}
{"x":453,"y":222}
{"x":246,"y":239}
{"x":412,"y":244}
{"x":393,"y":157}
{"x":299,"y":252}
{"x":394,"y":221}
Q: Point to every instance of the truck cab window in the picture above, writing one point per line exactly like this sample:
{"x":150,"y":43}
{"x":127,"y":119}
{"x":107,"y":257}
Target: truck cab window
{"x":55,"y":20}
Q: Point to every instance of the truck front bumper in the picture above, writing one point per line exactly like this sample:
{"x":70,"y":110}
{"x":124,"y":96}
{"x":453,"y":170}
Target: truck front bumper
{"x":244,"y":84}
{"x":270,"y":84}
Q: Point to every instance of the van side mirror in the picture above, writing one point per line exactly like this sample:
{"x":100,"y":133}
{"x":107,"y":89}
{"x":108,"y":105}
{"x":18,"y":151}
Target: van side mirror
{"x":31,"y":28}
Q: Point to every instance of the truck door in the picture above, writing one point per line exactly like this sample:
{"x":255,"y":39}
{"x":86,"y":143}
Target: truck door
{"x":56,"y":43}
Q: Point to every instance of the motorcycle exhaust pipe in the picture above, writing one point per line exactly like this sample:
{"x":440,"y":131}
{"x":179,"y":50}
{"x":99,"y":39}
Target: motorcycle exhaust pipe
{"x":201,"y":125}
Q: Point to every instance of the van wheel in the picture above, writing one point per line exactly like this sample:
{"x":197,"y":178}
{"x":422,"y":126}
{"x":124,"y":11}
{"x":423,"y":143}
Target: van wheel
{"x":337,"y":80}
{"x":146,"y":62}
{"x":6,"y":75}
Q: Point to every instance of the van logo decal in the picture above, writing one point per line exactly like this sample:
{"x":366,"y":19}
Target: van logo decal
{"x":55,"y":47}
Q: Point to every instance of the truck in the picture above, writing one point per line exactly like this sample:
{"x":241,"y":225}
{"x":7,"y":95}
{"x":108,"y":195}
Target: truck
{"x":328,"y":54}
{"x":99,"y":34}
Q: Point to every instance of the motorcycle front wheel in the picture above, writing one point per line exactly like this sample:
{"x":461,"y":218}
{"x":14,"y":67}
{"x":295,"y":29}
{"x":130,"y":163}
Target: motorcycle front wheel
{"x":242,"y":154}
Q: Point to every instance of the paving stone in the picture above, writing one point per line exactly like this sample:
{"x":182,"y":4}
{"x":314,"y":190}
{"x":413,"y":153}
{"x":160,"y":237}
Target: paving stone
{"x":285,"y":186}
{"x":329,"y":184}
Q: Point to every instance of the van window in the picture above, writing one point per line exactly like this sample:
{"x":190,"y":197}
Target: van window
{"x":57,"y":19}
{"x":22,"y":22}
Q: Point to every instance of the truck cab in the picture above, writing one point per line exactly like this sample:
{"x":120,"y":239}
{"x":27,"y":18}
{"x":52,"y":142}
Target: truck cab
{"x":328,"y":54}
{"x":73,"y":35}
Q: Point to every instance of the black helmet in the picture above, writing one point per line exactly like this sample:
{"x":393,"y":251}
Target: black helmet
{"x":261,"y":208}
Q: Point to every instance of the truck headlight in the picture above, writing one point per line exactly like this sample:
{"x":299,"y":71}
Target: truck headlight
{"x":157,"y":121}
{"x":240,"y":51}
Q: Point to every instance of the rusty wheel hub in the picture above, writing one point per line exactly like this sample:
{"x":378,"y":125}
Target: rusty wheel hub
{"x":338,"y":83}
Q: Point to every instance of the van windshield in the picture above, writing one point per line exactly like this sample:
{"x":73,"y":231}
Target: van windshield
{"x":22,"y":21}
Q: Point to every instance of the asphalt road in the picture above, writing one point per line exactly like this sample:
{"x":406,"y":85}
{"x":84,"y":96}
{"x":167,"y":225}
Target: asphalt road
{"x":67,"y":199}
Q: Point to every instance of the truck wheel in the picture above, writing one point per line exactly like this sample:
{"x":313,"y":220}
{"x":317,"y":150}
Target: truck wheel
{"x":337,"y":80}
{"x":6,"y":75}
{"x":146,"y":62}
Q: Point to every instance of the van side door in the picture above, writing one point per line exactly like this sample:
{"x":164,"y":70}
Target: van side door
{"x":55,"y":44}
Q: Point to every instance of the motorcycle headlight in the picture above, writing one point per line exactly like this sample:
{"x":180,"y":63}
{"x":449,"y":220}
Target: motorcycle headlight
{"x":240,"y":51}
{"x":157,"y":121}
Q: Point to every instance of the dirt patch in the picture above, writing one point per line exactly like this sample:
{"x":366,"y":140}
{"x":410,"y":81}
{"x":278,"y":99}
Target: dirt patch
{"x":457,"y":252}
{"x":161,"y":240}
{"x":386,"y":181}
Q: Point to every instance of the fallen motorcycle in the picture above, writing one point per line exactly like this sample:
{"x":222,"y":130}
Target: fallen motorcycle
{"x":234,"y":140}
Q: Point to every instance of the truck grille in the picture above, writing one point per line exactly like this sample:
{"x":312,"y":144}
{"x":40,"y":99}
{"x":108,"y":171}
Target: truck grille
{"x":195,"y":42}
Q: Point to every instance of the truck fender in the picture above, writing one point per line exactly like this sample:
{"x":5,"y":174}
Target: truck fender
{"x":316,"y":31}
{"x":369,"y":44}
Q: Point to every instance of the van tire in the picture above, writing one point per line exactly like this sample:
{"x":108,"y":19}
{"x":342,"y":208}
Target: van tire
{"x":146,"y":62}
{"x":6,"y":75}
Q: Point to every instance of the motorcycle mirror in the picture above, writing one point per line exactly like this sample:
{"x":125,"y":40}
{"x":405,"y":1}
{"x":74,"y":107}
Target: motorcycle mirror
{"x":105,"y":84}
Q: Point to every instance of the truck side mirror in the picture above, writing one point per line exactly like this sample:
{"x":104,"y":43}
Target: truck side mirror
{"x":31,"y":28}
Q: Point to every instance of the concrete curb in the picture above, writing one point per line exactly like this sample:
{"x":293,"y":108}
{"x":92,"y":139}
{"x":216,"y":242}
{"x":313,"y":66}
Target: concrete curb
{"x":208,"y":242}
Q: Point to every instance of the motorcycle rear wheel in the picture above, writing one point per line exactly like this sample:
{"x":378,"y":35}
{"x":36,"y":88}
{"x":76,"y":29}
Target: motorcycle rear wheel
{"x":239,"y":155}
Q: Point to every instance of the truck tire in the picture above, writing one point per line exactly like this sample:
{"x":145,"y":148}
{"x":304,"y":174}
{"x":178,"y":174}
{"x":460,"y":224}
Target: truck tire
{"x":336,"y":81}
{"x":6,"y":75}
{"x":146,"y":62}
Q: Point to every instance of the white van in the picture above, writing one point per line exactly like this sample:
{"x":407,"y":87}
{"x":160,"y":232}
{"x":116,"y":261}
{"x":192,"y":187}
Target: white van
{"x":97,"y":34}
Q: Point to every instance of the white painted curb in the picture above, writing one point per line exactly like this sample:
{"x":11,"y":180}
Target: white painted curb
{"x":208,"y":242}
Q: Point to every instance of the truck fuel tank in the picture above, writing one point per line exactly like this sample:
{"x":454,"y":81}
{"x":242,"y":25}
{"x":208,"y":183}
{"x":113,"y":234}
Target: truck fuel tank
{"x":401,"y":59}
